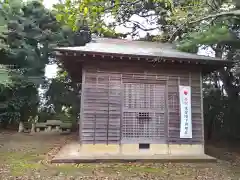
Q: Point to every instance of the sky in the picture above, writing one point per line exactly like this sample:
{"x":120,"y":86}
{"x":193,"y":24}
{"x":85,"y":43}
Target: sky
{"x":49,"y":3}
{"x":50,"y":70}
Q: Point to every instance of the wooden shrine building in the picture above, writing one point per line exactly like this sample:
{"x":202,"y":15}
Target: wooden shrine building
{"x":139,"y":98}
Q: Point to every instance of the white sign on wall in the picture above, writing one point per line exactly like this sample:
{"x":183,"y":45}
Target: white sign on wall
{"x":186,"y":112}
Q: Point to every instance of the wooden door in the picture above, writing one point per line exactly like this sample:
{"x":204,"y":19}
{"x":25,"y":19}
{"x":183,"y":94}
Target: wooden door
{"x":144,"y":113}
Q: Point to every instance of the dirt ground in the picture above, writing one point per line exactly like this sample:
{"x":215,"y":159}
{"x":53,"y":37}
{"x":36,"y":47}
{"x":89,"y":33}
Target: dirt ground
{"x":24,"y":157}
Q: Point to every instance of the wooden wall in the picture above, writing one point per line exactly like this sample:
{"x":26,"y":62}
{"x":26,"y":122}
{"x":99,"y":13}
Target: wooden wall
{"x":102,"y":101}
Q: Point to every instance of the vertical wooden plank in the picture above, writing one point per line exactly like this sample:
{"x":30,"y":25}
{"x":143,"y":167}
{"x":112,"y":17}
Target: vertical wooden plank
{"x":202,"y":115}
{"x":179,"y":110}
{"x":190,"y":84}
{"x":108,"y":120}
{"x":121,"y":108}
{"x":82,"y":105}
{"x":190,"y":79}
{"x":95,"y":127}
{"x":167,"y":112}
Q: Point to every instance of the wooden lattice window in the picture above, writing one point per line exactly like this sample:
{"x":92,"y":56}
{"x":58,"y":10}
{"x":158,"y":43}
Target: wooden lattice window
{"x":144,"y":96}
{"x":143,"y":125}
{"x":173,"y":102}
{"x":144,"y":112}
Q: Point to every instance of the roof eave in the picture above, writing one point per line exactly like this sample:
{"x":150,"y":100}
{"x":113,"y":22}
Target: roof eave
{"x":218,"y":62}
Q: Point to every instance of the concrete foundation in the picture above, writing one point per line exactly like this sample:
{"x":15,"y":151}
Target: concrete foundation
{"x":133,"y":149}
{"x":74,"y":153}
{"x":99,"y":149}
{"x":186,"y":149}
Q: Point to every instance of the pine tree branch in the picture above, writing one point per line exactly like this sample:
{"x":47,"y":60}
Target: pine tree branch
{"x":214,"y":16}
{"x":230,"y":13}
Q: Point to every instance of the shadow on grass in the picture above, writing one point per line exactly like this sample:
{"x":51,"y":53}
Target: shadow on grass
{"x":227,"y":151}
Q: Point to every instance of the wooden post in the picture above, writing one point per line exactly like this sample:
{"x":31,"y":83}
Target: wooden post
{"x":167,"y":113}
{"x":121,"y":111}
{"x":202,"y":115}
{"x":95,"y":126}
{"x":190,"y":84}
{"x":82,"y":105}
{"x":179,"y":111}
{"x":108,"y":120}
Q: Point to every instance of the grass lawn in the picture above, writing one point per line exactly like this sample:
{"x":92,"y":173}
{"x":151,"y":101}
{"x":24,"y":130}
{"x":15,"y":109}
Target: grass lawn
{"x":24,"y":156}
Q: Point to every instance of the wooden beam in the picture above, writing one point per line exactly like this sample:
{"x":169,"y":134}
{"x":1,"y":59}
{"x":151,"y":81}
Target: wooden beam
{"x":82,"y":106}
{"x":190,"y":84}
{"x":121,"y":108}
{"x":167,"y":112}
{"x":95,"y":127}
{"x":179,"y":111}
{"x":108,"y":120}
{"x":202,"y":115}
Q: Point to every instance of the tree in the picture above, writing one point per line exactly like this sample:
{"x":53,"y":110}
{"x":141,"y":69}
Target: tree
{"x":28,"y":31}
{"x":64,"y":95}
{"x":94,"y":13}
{"x":217,"y":31}
{"x":168,"y":16}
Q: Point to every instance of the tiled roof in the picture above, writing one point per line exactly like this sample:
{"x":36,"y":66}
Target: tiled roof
{"x":135,"y":48}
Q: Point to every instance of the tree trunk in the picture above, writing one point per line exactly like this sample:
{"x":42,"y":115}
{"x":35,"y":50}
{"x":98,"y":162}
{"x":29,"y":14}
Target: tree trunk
{"x":21,"y":127}
{"x":210,"y":129}
{"x":33,"y":127}
{"x":34,"y":121}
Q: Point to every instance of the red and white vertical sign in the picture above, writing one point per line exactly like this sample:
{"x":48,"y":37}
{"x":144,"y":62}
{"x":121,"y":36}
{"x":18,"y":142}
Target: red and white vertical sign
{"x":186,"y":112}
